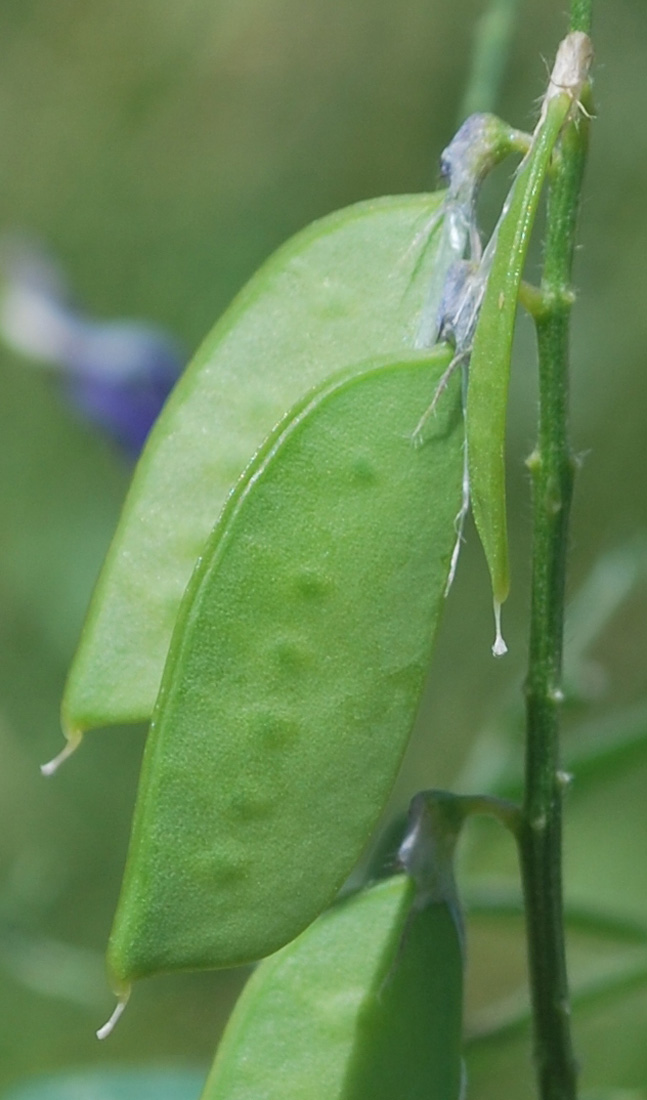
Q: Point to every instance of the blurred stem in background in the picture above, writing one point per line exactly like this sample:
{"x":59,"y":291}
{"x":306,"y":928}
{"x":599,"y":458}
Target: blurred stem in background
{"x":492,"y":42}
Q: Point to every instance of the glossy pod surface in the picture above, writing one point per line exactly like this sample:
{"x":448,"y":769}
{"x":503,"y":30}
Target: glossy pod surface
{"x":349,"y":287}
{"x":294,"y":677}
{"x":366,"y":1003}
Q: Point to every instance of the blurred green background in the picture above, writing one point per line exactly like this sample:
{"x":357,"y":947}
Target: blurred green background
{"x":162,"y":150}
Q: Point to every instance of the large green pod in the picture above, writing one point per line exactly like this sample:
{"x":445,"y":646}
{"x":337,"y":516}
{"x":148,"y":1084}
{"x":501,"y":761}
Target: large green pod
{"x":351,"y":286}
{"x":366,"y":1003}
{"x":294,"y":676}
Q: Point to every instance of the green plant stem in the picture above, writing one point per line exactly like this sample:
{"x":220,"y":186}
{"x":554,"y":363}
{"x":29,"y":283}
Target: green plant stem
{"x":492,"y":42}
{"x":581,"y":15}
{"x":541,"y":830}
{"x":552,"y":469}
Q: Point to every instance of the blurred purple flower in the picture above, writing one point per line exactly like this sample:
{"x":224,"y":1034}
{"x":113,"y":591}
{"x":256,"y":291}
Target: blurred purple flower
{"x":117,"y":374}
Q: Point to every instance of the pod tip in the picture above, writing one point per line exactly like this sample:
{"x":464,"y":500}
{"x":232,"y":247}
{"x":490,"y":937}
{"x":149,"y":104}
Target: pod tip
{"x":499,"y":649}
{"x":112,"y":1022}
{"x":53,"y":765}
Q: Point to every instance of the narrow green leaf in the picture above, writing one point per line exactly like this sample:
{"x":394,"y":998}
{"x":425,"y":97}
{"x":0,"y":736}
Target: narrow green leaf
{"x":487,"y":395}
{"x":146,"y":1083}
{"x":294,"y":675}
{"x":365,"y":1003}
{"x":349,"y":287}
{"x":610,"y":1093}
{"x":504,"y":1020}
{"x":609,"y":585}
{"x":593,"y":752}
{"x":598,"y":750}
{"x":506,"y":904}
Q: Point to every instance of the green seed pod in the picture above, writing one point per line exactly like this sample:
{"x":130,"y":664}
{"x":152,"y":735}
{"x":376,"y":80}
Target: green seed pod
{"x":367,"y":1002}
{"x":489,"y":373}
{"x":294,"y":674}
{"x":349,"y":287}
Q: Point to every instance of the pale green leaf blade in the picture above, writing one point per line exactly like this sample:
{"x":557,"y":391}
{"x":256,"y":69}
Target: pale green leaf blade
{"x":349,"y":287}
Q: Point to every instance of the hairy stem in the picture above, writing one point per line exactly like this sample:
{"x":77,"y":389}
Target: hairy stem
{"x":581,"y":15}
{"x":552,"y":469}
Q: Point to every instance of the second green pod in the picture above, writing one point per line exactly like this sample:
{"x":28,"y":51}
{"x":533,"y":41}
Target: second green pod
{"x":294,"y":675}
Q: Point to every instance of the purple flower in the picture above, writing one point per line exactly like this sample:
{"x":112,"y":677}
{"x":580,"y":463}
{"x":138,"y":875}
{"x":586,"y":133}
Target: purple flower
{"x":117,"y":374}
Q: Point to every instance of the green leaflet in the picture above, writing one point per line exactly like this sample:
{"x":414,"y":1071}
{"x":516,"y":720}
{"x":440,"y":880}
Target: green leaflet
{"x":366,"y":1003}
{"x":489,"y":372}
{"x":351,"y":286}
{"x":294,"y":675}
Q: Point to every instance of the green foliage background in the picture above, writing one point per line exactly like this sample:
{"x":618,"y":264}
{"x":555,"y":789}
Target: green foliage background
{"x":162,"y":150}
